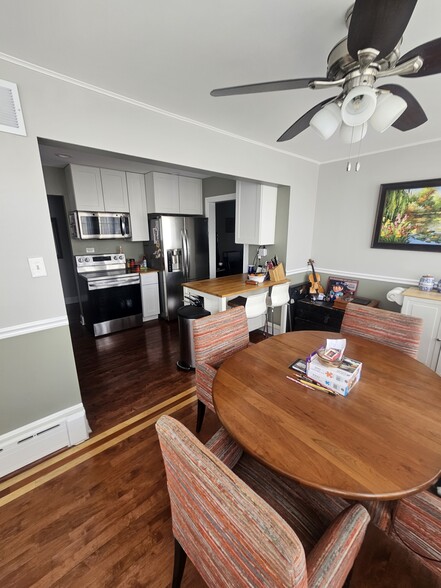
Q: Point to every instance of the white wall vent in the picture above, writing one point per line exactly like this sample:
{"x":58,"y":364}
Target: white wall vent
{"x":11,"y":116}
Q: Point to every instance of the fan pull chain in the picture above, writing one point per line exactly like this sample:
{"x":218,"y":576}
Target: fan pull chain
{"x":357,"y":164}
{"x":349,"y":164}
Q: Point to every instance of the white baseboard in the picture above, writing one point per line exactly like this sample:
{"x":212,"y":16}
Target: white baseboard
{"x":36,"y":440}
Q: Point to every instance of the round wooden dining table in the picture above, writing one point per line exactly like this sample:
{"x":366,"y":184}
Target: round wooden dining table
{"x":381,"y":442}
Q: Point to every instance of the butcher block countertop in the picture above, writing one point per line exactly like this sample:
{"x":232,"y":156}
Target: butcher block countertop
{"x":229,"y":285}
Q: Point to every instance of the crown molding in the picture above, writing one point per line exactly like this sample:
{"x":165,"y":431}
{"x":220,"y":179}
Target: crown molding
{"x":59,"y":76}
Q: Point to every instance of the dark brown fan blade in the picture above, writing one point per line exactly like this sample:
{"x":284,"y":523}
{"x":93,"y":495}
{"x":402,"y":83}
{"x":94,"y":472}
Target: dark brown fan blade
{"x":267,"y":87}
{"x":431,"y":54}
{"x":378,"y":25}
{"x":413,"y":116}
{"x":303,"y":122}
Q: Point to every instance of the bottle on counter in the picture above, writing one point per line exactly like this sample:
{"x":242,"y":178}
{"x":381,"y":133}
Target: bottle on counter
{"x":144,"y":262}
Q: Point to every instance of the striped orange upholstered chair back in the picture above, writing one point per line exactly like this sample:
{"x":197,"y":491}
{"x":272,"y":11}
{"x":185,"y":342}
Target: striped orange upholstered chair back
{"x":401,"y":331}
{"x":233,"y":536}
{"x":215,"y":338}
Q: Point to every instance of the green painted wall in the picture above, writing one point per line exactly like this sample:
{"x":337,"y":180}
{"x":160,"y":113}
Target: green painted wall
{"x":37,"y":368}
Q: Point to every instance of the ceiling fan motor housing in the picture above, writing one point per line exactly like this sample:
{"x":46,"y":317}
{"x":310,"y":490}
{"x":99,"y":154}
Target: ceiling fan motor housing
{"x":340,"y":63}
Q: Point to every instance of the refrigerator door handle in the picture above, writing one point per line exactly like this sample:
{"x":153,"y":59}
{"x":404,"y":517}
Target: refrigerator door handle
{"x":187,"y":246}
{"x":185,"y":254}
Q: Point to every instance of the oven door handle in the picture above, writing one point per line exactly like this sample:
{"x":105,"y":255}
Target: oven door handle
{"x":112,"y":283}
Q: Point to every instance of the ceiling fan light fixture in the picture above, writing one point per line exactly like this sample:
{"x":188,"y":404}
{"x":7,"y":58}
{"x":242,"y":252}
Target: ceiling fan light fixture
{"x":350,"y":134}
{"x":389,"y":108}
{"x":358,"y":106}
{"x":326,"y":121}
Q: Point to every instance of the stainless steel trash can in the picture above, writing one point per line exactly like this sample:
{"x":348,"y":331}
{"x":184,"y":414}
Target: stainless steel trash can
{"x":186,"y":317}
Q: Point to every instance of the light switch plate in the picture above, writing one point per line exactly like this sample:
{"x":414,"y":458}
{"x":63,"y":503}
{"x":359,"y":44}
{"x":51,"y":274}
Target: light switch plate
{"x":38,"y":269}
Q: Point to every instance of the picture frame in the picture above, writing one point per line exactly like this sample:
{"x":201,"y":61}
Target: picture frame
{"x":341,"y":287}
{"x":409,"y":216}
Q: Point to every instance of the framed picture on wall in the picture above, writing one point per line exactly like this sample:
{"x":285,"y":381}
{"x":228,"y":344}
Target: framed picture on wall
{"x":409,"y":216}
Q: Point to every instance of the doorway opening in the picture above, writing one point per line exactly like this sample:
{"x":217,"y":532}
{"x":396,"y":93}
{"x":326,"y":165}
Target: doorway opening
{"x":226,"y":256}
{"x":229,"y":254}
{"x":63,"y":248}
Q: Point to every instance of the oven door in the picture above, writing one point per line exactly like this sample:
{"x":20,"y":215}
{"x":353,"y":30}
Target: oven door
{"x":113,"y":304}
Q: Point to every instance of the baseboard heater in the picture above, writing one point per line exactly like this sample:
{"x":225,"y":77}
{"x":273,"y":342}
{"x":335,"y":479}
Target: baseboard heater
{"x":38,"y":440}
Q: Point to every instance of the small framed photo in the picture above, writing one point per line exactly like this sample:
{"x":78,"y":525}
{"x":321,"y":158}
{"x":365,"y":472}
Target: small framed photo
{"x":341,"y":288}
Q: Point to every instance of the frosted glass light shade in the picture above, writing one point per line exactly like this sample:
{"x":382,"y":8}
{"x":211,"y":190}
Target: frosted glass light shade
{"x":358,"y":106}
{"x":389,"y":109}
{"x":326,"y":121}
{"x":350,"y":134}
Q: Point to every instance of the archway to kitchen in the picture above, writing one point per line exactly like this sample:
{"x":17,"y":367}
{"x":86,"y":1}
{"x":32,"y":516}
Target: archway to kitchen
{"x":127,"y":373}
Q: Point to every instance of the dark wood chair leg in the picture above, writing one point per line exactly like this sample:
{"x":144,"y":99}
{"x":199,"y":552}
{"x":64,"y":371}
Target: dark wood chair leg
{"x":178,"y":565}
{"x":200,"y":417}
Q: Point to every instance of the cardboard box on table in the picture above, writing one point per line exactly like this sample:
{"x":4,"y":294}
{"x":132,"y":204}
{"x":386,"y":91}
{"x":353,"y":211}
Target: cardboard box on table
{"x":341,"y":379}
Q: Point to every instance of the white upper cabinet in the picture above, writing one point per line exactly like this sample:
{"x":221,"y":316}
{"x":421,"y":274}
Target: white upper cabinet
{"x":137,"y":207}
{"x":172,"y":194}
{"x":190,"y":195}
{"x":162,"y":192}
{"x":114,"y":190}
{"x":96,"y":190}
{"x":255,"y":213}
{"x":84,"y":188}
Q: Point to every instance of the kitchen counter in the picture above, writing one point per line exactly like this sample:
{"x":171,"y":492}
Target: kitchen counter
{"x":417,"y":293}
{"x":217,"y":291}
{"x":230,"y":286}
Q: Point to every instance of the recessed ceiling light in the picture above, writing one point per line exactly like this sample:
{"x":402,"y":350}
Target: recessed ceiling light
{"x":63,"y":156}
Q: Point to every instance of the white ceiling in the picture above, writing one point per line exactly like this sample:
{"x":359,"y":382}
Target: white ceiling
{"x":171,"y":53}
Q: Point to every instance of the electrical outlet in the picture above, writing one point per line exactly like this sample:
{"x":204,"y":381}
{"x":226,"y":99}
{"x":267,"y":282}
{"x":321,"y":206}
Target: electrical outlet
{"x":90,"y":249}
{"x":38,"y":269}
{"x":263,"y":251}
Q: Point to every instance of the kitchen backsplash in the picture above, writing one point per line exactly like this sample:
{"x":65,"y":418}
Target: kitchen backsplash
{"x":131,"y":249}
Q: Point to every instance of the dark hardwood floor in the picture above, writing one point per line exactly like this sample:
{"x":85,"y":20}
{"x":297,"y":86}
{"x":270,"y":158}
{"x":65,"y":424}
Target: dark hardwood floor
{"x":98,"y":514}
{"x":124,"y":373}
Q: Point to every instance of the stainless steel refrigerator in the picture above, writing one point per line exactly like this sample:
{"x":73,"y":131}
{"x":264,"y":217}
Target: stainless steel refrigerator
{"x":179,"y":249}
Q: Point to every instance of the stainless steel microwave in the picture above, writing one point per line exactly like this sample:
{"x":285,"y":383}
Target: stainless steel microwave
{"x":99,"y":225}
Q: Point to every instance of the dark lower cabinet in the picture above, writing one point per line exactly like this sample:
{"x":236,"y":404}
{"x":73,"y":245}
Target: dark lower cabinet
{"x":317,"y":316}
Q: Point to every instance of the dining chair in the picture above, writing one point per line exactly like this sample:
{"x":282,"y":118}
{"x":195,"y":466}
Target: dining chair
{"x":416,"y":522}
{"x":278,"y":297}
{"x":234,"y":536}
{"x":401,"y":331}
{"x":215,"y":338}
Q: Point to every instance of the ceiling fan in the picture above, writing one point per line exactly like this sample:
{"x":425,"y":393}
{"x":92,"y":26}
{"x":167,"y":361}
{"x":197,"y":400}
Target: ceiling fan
{"x":371,"y":51}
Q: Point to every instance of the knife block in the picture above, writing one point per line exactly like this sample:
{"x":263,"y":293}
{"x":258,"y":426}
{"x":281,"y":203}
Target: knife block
{"x":277,"y":274}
